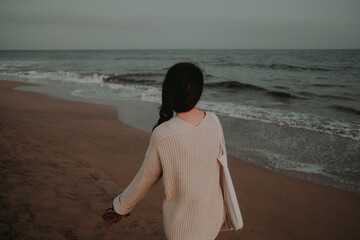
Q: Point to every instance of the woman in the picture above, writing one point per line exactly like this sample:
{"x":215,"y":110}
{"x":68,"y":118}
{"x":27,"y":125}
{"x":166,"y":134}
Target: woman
{"x":183,"y":149}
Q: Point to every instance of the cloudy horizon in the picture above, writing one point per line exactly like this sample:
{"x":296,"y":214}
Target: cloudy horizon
{"x":197,"y":24}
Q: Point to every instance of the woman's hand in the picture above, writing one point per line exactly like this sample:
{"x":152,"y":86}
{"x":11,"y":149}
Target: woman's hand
{"x":111,"y":217}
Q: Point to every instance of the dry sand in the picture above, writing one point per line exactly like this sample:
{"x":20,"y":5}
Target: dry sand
{"x":63,"y":162}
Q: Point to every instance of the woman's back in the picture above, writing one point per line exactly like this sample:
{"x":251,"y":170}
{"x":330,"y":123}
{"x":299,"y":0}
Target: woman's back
{"x":186,"y":156}
{"x":194,"y":202}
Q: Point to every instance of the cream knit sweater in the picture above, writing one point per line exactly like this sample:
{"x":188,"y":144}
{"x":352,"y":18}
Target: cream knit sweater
{"x":186,"y":157}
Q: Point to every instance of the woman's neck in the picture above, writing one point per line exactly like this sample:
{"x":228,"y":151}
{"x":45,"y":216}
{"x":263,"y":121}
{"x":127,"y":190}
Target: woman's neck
{"x":193,"y":116}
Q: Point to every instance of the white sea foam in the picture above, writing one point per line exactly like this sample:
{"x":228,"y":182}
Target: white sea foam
{"x":153,"y":94}
{"x":310,"y":168}
{"x":269,"y":115}
{"x":63,"y":76}
{"x":284,"y":118}
{"x":281,"y":162}
{"x":13,"y":65}
{"x":145,"y":93}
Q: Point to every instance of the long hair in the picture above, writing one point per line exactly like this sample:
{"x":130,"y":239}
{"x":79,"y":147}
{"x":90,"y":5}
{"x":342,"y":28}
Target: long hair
{"x":181,"y":90}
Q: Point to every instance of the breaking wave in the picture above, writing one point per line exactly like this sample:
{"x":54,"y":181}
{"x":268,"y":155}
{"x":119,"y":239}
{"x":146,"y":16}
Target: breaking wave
{"x":139,"y":78}
{"x":346,"y":109}
{"x":62,"y":76}
{"x":234,"y":85}
{"x":277,"y":66}
{"x":309,"y":94}
{"x":238,"y":86}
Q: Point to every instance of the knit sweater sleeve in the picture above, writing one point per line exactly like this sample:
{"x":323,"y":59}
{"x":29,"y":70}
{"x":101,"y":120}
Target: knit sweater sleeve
{"x":222,"y":138}
{"x":147,"y":176}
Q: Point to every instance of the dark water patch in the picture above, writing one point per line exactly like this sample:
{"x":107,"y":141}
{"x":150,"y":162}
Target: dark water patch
{"x":346,"y":109}
{"x":321,"y":78}
{"x":327,"y":85}
{"x":281,"y":87}
{"x":293,"y":67}
{"x":230,"y":64}
{"x":132,"y":78}
{"x":337,"y":97}
{"x":238,"y":86}
{"x":275,"y":66}
{"x":309,"y":94}
{"x":209,"y":76}
{"x":235,"y":85}
{"x":141,"y":75}
{"x":282,"y":95}
{"x":120,"y":80}
{"x":124,"y":58}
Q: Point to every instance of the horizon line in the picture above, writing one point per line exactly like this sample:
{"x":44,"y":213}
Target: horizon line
{"x":124,"y":49}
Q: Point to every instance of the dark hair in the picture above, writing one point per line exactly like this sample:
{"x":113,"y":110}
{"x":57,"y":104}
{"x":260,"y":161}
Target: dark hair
{"x":181,"y":90}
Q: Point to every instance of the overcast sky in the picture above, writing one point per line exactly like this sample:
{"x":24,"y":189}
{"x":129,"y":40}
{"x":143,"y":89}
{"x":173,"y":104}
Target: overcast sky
{"x":154,"y":24}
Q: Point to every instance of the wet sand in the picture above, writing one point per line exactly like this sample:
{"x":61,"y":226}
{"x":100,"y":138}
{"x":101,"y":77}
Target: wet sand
{"x":62,"y":163}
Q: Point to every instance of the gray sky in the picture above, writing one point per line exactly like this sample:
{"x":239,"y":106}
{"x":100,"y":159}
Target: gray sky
{"x":149,"y":24}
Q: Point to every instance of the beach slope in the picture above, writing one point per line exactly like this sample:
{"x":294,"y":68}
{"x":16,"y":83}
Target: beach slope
{"x":63,"y":162}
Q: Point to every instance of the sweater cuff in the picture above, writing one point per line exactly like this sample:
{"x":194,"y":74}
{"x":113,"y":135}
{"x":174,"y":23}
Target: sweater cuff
{"x":116,"y":204}
{"x":118,"y":208}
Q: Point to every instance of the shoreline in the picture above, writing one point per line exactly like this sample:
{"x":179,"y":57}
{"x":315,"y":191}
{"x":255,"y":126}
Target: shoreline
{"x":266,"y":152}
{"x":78,"y":156}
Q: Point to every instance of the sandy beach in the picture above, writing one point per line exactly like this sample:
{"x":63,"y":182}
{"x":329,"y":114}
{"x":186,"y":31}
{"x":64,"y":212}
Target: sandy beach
{"x":63,"y":162}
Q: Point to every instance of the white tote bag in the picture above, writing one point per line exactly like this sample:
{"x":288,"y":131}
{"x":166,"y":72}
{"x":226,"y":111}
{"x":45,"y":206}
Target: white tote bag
{"x":234,"y":219}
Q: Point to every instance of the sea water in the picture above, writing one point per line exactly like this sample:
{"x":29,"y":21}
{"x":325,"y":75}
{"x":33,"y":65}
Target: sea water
{"x":292,"y":111}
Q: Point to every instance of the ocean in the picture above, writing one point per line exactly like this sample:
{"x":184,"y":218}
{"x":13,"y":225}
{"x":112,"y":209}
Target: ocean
{"x":292,"y":111}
